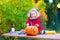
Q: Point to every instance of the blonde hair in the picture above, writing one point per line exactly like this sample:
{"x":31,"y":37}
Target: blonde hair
{"x":33,"y":9}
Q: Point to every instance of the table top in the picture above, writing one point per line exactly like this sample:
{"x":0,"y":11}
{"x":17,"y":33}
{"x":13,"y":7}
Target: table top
{"x":48,"y":36}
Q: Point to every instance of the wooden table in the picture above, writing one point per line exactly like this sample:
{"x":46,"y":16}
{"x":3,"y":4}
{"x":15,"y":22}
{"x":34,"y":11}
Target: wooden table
{"x":46,"y":36}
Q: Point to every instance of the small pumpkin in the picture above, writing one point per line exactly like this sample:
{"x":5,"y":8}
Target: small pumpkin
{"x":31,"y":30}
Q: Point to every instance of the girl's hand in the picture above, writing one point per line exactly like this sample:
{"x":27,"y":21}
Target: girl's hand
{"x":27,"y":24}
{"x":37,"y":25}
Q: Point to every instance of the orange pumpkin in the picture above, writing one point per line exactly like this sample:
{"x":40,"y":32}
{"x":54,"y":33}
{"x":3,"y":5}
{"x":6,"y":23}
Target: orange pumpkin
{"x":31,"y":30}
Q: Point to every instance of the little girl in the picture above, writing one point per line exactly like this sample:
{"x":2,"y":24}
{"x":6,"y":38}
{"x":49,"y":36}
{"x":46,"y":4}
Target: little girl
{"x":34,"y":19}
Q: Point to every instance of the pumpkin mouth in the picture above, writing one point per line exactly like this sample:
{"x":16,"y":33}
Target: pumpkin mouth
{"x":30,"y":35}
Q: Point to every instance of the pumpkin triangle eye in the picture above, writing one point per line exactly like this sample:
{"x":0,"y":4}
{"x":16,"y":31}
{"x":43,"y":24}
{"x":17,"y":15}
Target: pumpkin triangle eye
{"x":34,"y":31}
{"x":31,"y":28}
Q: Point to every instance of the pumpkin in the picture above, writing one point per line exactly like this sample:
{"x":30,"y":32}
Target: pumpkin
{"x":31,"y":30}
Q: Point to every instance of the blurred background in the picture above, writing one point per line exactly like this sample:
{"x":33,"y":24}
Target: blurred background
{"x":13,"y":13}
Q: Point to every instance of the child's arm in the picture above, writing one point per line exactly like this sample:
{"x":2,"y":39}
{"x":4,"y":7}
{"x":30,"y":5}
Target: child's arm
{"x":28,"y":21}
{"x":38,"y":22}
{"x":39,"y":25}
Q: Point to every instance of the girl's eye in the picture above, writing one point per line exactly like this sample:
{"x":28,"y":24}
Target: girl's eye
{"x":33,"y":14}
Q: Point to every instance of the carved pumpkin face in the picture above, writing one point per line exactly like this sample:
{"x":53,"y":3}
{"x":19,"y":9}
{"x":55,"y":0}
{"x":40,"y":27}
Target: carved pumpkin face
{"x":31,"y":30}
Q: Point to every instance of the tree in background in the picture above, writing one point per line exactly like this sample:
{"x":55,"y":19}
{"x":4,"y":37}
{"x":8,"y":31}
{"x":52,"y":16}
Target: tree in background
{"x":13,"y":13}
{"x":52,"y":23}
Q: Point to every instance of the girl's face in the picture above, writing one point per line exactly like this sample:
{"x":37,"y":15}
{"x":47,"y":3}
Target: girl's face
{"x":33,"y":14}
